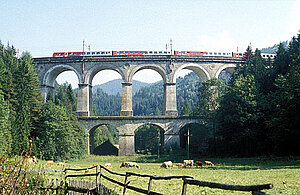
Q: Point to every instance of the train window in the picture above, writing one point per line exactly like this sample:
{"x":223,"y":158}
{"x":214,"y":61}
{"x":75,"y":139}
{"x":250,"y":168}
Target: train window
{"x":88,"y":53}
{"x":165,"y":52}
{"x":215,"y":53}
{"x":224,"y":53}
{"x":160,"y":52}
{"x":136,"y":52}
{"x":150,"y":52}
{"x":146,"y":52}
{"x":183,"y":52}
{"x":102,"y":52}
{"x":131,"y":52}
{"x":98,"y":53}
{"x":93,"y":53}
{"x":219,"y":53}
{"x":155,"y":52}
{"x":192,"y":52}
{"x":210,"y":53}
{"x":62,"y":54}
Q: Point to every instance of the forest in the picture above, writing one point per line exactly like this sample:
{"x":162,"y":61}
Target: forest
{"x":254,"y":113}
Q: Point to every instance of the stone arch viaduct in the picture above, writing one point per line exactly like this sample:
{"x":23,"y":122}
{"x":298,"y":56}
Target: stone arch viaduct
{"x":127,"y":66}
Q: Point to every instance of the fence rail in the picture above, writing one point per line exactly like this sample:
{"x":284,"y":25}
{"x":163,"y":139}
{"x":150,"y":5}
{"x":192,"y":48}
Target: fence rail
{"x":249,"y":188}
{"x":96,"y":187}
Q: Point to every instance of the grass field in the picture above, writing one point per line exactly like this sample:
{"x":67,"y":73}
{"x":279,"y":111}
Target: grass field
{"x":283,"y":173}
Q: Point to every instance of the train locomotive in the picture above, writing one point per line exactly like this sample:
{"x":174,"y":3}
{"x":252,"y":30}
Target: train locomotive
{"x":141,"y":53}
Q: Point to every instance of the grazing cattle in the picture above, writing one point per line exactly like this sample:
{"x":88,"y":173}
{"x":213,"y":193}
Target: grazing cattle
{"x":129,"y":164}
{"x":61,"y":164}
{"x":32,"y":160}
{"x":50,"y":162}
{"x":95,"y":165}
{"x":179,"y":164}
{"x":199,"y":164}
{"x":108,"y":165}
{"x":209,"y":163}
{"x":167,"y":164}
{"x":188,"y":163}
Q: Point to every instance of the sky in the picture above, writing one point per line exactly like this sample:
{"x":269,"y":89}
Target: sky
{"x":44,"y":27}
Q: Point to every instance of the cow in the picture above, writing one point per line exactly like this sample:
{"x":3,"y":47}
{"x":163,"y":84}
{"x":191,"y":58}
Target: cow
{"x":33,"y":159}
{"x":167,"y":164}
{"x":50,"y":162}
{"x":61,"y":164}
{"x":199,"y":164}
{"x":188,"y":163}
{"x":95,"y":164}
{"x":129,"y":164}
{"x":108,"y":165}
{"x":179,"y":164}
{"x":209,"y":163}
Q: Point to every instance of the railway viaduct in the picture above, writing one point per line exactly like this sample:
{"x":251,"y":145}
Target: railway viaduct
{"x":127,"y":66}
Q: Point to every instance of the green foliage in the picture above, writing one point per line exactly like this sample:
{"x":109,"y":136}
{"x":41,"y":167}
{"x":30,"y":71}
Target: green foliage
{"x":186,"y":109}
{"x":66,"y":97}
{"x":237,"y":116}
{"x":107,"y":105}
{"x":5,"y":129}
{"x":147,"y":138}
{"x":59,"y":136}
{"x":259,"y":112}
{"x":103,"y":133}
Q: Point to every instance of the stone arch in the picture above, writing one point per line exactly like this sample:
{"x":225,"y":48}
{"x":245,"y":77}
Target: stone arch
{"x":91,"y":132}
{"x":198,"y":69}
{"x":227,"y":67}
{"x":51,"y":75}
{"x":200,"y":139}
{"x":156,"y":68}
{"x":92,"y":72}
{"x":156,"y":141}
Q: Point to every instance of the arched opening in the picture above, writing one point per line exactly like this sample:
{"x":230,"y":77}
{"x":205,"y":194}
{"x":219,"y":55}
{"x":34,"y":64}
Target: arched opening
{"x":107,"y":93}
{"x":187,"y":91}
{"x":68,"y":77}
{"x":147,"y":92}
{"x":65,"y":92}
{"x":197,"y":139}
{"x":149,"y":139}
{"x":225,"y":76}
{"x":104,"y":140}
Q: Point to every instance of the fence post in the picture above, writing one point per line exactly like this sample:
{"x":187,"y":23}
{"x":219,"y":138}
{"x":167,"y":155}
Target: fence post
{"x":184,"y":188}
{"x":125,"y":184}
{"x":149,"y":185}
{"x":97,"y":178}
{"x":66,"y":183}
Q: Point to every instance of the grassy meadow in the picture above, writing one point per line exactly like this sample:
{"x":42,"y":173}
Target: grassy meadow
{"x":283,"y":173}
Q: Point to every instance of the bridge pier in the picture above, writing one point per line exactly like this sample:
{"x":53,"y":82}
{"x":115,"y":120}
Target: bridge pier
{"x":170,"y":104}
{"x":84,"y":100}
{"x":46,"y":90}
{"x":126,"y":109}
{"x":126,"y":140}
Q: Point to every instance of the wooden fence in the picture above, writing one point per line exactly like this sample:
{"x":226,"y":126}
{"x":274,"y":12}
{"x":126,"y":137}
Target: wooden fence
{"x":97,"y":187}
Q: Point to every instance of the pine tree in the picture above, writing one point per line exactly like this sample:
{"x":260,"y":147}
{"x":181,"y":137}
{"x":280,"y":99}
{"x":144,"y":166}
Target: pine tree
{"x":186,"y":109}
{"x":27,"y":103}
{"x":5,"y":132}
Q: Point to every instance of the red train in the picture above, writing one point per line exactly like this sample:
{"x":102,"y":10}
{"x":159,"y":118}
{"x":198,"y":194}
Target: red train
{"x":178,"y":53}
